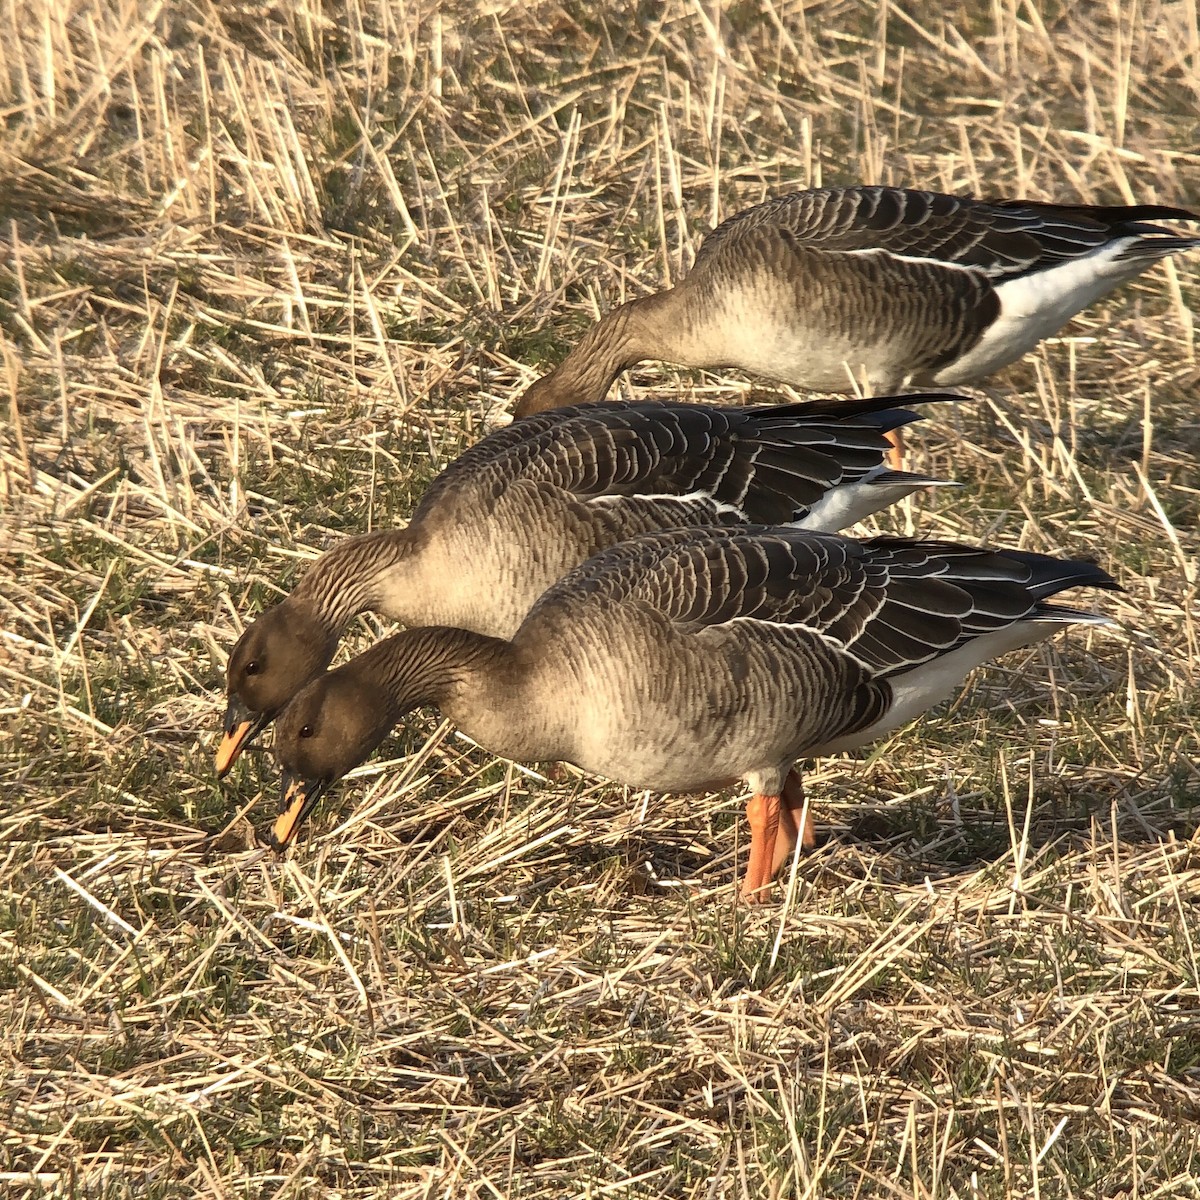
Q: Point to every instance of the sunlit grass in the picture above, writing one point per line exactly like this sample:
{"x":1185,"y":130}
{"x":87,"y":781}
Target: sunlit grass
{"x":265,"y":273}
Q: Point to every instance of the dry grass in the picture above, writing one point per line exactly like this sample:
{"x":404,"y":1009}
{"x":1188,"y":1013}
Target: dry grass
{"x":267,"y":267}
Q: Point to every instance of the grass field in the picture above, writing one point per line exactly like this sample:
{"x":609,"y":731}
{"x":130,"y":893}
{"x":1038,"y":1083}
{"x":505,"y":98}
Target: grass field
{"x":266,"y":268}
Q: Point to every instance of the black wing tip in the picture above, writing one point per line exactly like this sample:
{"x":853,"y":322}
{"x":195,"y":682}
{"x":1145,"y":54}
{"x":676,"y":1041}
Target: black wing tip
{"x":1049,"y":576}
{"x":882,"y":408}
{"x":911,"y":479}
{"x":1094,"y":577}
{"x":1106,"y":214}
{"x":1154,"y":212}
{"x":888,"y":418}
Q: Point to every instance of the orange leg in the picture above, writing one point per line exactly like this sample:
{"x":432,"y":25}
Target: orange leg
{"x":895,"y":456}
{"x":775,"y":827}
{"x":763,"y":814}
{"x":792,"y":812}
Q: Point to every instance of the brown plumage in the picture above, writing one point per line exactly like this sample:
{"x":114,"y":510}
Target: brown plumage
{"x":515,"y":512}
{"x":872,"y":287}
{"x":680,"y":660}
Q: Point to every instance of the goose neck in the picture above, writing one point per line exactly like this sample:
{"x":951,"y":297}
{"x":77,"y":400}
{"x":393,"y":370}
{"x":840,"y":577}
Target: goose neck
{"x":346,"y":580}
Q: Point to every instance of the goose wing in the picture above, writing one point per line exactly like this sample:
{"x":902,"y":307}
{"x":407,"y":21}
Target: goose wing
{"x":1001,"y":239}
{"x":887,"y":603}
{"x":763,"y":464}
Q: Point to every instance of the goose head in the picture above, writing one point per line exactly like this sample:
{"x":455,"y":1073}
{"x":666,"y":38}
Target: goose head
{"x":338,"y":719}
{"x":546,"y":393}
{"x":327,"y":730}
{"x":273,"y":659}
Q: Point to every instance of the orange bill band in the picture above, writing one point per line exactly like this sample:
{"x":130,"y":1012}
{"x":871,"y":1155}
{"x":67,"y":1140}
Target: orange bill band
{"x":298,"y":796}
{"x":242,"y":725}
{"x":288,"y":821}
{"x":232,"y":742}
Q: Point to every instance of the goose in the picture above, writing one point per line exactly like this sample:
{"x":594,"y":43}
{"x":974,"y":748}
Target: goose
{"x":872,"y":288}
{"x":685,"y":660}
{"x":516,"y":511}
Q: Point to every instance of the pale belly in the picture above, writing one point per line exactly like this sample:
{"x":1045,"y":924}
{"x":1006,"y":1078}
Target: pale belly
{"x":818,"y":359}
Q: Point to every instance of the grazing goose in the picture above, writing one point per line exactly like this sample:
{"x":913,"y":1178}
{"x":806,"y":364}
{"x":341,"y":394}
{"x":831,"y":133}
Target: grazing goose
{"x":876,"y":286}
{"x":515,"y":512}
{"x":684,"y":660}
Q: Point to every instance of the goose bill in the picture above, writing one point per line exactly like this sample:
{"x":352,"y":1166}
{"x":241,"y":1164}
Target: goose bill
{"x":299,"y":797}
{"x":241,"y":727}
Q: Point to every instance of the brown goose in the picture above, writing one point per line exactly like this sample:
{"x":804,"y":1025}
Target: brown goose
{"x":875,"y":286}
{"x":518,"y":510}
{"x":684,"y":660}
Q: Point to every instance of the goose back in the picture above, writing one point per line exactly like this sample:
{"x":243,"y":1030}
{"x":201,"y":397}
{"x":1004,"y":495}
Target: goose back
{"x":676,"y":660}
{"x":518,"y":510}
{"x":838,"y":287}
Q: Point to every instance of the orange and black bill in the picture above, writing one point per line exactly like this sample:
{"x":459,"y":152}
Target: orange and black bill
{"x":241,"y":727}
{"x":298,"y":798}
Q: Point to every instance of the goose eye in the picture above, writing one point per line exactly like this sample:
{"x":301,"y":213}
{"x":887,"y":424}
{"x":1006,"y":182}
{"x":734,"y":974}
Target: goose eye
{"x":252,"y":667}
{"x":306,"y":731}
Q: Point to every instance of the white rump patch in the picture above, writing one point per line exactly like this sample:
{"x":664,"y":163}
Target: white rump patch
{"x":919,"y":689}
{"x":849,"y":503}
{"x":1034,"y":306}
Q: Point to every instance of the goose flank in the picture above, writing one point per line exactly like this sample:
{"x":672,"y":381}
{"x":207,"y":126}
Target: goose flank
{"x":515,"y":512}
{"x":685,"y":660}
{"x":872,"y":288}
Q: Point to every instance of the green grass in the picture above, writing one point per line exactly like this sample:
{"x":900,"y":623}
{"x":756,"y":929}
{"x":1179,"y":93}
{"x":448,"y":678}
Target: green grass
{"x":226,"y":343}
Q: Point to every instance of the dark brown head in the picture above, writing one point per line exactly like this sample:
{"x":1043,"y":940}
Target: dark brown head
{"x":327,"y":730}
{"x":287,"y":646}
{"x":547,"y":393}
{"x":338,"y":719}
{"x":636,"y":330}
